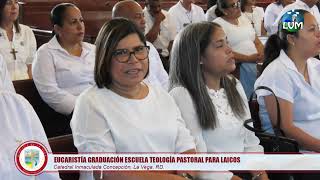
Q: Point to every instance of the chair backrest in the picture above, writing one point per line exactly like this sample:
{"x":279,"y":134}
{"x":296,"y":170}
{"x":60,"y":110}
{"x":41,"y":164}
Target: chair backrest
{"x":64,"y":144}
{"x":54,"y":123}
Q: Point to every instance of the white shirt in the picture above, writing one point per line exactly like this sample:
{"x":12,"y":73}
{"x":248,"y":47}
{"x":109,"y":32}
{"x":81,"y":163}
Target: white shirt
{"x":229,"y":136}
{"x":61,"y":77}
{"x":25,"y":45}
{"x":5,"y":81}
{"x":256,"y":18}
{"x":242,"y":41}
{"x":19,"y":123}
{"x":104,"y":121}
{"x":299,"y":5}
{"x":167,"y":31}
{"x":157,"y":74}
{"x":271,"y":14}
{"x":211,"y":13}
{"x":184,"y":17}
{"x":287,"y":83}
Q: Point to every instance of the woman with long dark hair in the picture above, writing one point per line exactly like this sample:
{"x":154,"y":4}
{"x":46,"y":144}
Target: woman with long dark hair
{"x":293,"y":74}
{"x":212,"y":102}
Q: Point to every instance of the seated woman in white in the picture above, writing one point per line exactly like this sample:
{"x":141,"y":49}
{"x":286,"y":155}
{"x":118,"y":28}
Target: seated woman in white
{"x":212,"y":103}
{"x":17,"y":42}
{"x":63,"y":67}
{"x":118,"y":113}
{"x":245,"y":44}
{"x":255,"y":15}
{"x":18,"y":123}
{"x":5,"y":81}
{"x":271,"y":14}
{"x":294,"y":75}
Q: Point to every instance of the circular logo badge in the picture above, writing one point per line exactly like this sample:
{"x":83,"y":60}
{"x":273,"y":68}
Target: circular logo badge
{"x":31,"y":158}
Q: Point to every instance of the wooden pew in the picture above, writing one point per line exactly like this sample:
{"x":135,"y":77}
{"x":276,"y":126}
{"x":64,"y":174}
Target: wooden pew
{"x":64,"y":144}
{"x":44,"y":36}
{"x":54,"y":123}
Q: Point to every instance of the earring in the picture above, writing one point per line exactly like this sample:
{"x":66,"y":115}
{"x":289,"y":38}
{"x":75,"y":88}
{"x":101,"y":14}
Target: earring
{"x":201,"y":62}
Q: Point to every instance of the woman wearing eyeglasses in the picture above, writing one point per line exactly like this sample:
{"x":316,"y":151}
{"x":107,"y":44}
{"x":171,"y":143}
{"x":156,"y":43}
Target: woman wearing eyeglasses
{"x":63,"y":67}
{"x":121,"y":113}
{"x":242,"y":39}
{"x":17,"y":41}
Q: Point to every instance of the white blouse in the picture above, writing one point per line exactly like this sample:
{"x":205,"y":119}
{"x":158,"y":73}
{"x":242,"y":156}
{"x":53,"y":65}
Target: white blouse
{"x":61,"y":77}
{"x":24,"y":45}
{"x":19,"y":123}
{"x":284,"y":79}
{"x":256,"y":18}
{"x":5,"y":81}
{"x":229,"y":136}
{"x":184,"y":17}
{"x":104,"y":121}
{"x":242,"y":41}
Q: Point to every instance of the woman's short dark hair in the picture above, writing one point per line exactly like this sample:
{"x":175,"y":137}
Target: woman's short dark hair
{"x":186,"y":71}
{"x":108,"y":38}
{"x":221,"y":5}
{"x":278,"y":42}
{"x":16,"y":22}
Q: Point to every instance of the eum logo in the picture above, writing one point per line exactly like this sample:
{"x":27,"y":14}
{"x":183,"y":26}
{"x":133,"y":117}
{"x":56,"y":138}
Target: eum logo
{"x":292,"y":21}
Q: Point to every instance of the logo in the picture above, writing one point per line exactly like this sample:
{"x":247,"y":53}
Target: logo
{"x":31,"y":158}
{"x":292,"y":21}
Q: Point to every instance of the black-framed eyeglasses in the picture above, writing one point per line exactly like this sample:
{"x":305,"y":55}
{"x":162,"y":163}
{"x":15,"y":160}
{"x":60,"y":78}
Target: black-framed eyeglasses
{"x":123,"y":55}
{"x":235,"y":5}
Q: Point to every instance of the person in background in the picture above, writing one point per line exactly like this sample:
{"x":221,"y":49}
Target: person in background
{"x":132,"y":10}
{"x":246,"y":46}
{"x":18,"y":123}
{"x":255,"y":15}
{"x":271,"y":14}
{"x":186,"y":12}
{"x":293,"y":74}
{"x":17,"y":41}
{"x":64,"y":66}
{"x":160,"y":29}
{"x":5,"y":81}
{"x":212,"y":102}
{"x":308,"y":5}
{"x":121,"y":107}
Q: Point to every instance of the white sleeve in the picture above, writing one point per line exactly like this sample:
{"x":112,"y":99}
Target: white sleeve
{"x":189,"y":115}
{"x":32,"y":46}
{"x":172,"y":27}
{"x":6,"y":82}
{"x":90,"y":130}
{"x":184,"y":139}
{"x":269,"y":19}
{"x":279,"y":82}
{"x":203,"y":16}
{"x":251,"y":141}
{"x":44,"y":77}
{"x":156,"y":65}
